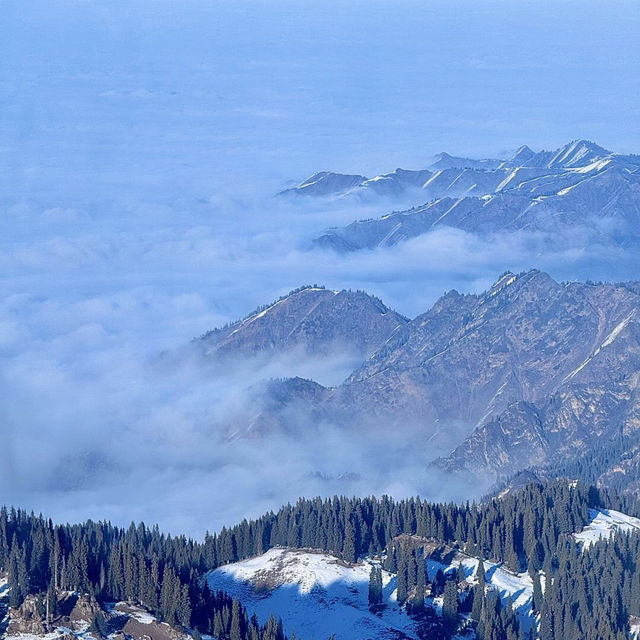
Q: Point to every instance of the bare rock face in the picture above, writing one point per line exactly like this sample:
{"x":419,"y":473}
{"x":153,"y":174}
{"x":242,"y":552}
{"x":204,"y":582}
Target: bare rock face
{"x":27,"y":618}
{"x":138,"y":624}
{"x":525,"y":339}
{"x":529,"y":370}
{"x":313,"y":321}
{"x":287,"y":406}
{"x":85,"y":610}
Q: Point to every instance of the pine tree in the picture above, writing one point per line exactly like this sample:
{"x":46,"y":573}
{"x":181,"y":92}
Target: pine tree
{"x":403,"y":587}
{"x":184,"y":607}
{"x":480,"y":574}
{"x":51,"y":602}
{"x":98,"y":624}
{"x":421,"y":585}
{"x":537,"y":593}
{"x":478,"y":602}
{"x":375,"y":587}
{"x":450,"y":604}
{"x":391,"y":561}
{"x":236,"y":631}
{"x":349,"y":553}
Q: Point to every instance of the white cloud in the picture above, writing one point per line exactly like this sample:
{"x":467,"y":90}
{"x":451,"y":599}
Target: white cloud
{"x":141,"y":144}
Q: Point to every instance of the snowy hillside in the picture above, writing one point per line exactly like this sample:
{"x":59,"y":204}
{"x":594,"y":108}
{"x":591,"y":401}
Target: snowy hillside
{"x":516,"y":586}
{"x":605,"y":523}
{"x":313,"y":590}
{"x":315,"y":594}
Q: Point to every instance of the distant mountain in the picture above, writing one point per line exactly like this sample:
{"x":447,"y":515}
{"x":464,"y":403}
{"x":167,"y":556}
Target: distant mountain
{"x":446,"y":161}
{"x":550,"y":347}
{"x":326,"y":183}
{"x":529,"y":371}
{"x":580,"y":185}
{"x":578,"y":153}
{"x":312,"y":320}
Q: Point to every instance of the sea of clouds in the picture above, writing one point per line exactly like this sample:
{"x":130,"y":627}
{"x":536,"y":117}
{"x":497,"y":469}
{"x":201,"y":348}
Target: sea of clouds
{"x":141,"y":144}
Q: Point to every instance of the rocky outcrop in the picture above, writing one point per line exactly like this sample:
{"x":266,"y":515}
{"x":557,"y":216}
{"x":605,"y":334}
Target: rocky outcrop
{"x":81,"y":613}
{"x":86,"y":610}
{"x":28,"y":617}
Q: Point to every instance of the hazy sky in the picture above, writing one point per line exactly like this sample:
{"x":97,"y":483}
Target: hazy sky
{"x":140,"y":145}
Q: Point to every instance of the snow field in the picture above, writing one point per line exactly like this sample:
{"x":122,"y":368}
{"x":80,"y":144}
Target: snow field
{"x":604,"y":523}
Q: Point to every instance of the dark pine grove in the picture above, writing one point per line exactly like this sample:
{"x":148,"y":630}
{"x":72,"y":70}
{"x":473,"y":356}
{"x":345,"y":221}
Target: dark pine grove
{"x":589,"y":596}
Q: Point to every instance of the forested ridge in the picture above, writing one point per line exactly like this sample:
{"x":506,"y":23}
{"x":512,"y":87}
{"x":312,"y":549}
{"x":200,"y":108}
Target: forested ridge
{"x":589,"y":594}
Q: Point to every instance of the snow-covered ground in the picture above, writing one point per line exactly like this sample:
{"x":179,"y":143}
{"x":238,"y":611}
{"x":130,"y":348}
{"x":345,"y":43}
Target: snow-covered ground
{"x":315,"y":594}
{"x":604,"y":523}
{"x":135,"y":612}
{"x":53,"y":635}
{"x":312,"y":591}
{"x":516,"y":586}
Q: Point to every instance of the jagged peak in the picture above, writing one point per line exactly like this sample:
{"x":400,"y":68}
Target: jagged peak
{"x":508,"y":279}
{"x":576,"y":153}
{"x":588,"y":144}
{"x":263,"y":309}
{"x":323,"y":175}
{"x":522,"y":155}
{"x":307,"y":289}
{"x":318,"y":175}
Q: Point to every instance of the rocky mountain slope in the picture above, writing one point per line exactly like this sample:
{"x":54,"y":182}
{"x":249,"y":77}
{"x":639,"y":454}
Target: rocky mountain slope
{"x":529,"y":363}
{"x":580,"y":189}
{"x":528,"y":370}
{"x":312,"y":320}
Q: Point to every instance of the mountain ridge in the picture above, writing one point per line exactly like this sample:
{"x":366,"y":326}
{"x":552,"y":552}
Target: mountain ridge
{"x":502,"y":379}
{"x":580,"y":189}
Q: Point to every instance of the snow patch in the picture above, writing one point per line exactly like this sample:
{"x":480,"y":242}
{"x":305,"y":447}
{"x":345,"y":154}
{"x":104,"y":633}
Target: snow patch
{"x":500,"y":285}
{"x":616,"y":331}
{"x":515,"y":586}
{"x":607,"y":342}
{"x":315,"y":594}
{"x":603,"y":524}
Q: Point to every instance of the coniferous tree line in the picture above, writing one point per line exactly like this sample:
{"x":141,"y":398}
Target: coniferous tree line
{"x":529,"y":528}
{"x":138,"y":565}
{"x":406,"y":559}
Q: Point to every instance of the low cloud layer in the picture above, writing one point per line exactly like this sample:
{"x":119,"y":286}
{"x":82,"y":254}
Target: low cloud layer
{"x":95,"y":427}
{"x":141,"y":147}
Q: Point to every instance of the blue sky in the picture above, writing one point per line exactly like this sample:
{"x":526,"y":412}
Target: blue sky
{"x":185,"y":95}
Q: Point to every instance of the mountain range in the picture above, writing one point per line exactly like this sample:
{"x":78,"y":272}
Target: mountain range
{"x":530,"y":371}
{"x":581,"y":192}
